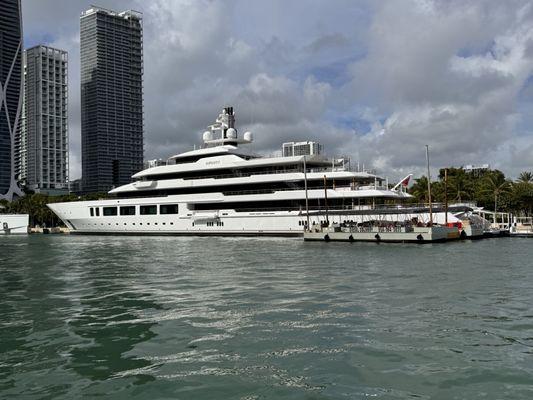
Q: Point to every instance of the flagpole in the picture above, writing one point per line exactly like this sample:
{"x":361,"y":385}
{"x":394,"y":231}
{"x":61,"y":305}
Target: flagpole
{"x":326,"y":198}
{"x":306,"y":195}
{"x":429,"y":188}
{"x":446,"y":196}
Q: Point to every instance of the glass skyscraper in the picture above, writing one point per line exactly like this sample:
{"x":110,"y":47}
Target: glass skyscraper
{"x":111,"y":98}
{"x":11,"y":81}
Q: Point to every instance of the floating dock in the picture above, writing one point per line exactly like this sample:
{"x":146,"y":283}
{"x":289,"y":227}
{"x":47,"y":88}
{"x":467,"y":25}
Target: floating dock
{"x":378,"y":234}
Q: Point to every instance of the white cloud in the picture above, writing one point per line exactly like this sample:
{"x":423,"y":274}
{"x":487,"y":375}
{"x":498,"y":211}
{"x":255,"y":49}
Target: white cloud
{"x":448,"y":74}
{"x":424,"y":70}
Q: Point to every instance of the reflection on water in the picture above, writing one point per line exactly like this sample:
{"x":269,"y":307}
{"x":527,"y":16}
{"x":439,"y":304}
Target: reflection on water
{"x":106,"y":324}
{"x":211,"y":318}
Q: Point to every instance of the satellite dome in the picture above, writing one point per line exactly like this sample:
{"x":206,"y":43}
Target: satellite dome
{"x":248,"y":136}
{"x":207,"y":136}
{"x":231,"y":133}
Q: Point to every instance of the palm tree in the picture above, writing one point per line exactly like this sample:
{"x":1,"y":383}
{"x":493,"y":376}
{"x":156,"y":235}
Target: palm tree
{"x":460,"y":187}
{"x":496,"y":187}
{"x":420,"y":189}
{"x":526,"y":177}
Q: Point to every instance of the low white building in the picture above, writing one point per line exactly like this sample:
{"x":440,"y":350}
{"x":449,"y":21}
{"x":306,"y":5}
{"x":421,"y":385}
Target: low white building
{"x":154,"y":163}
{"x":291,"y":149}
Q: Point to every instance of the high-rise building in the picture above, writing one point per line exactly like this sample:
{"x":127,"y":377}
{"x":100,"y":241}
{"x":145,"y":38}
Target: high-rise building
{"x":42,"y":164}
{"x":11,"y":87}
{"x":111,"y":98}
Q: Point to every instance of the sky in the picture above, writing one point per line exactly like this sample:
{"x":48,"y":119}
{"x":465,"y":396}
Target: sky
{"x":372,"y":80}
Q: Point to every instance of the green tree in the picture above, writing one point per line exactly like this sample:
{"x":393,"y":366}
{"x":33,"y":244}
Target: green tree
{"x":496,"y":186}
{"x":526,"y":177}
{"x":521,"y":198}
{"x":460,"y":187}
{"x":420,"y":190}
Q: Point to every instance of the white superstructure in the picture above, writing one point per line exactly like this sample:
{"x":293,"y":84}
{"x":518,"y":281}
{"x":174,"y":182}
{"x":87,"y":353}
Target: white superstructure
{"x":224,"y":189}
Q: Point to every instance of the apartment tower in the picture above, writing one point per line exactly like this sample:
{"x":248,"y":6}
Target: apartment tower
{"x":11,"y":87}
{"x":111,"y":98}
{"x":43,"y":150}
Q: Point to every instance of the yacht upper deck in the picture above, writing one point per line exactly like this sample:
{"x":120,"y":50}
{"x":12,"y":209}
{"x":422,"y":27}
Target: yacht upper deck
{"x":221,"y":165}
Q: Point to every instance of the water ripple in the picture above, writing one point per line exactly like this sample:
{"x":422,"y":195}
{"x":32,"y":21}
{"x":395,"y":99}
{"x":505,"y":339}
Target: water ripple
{"x":246,"y":318}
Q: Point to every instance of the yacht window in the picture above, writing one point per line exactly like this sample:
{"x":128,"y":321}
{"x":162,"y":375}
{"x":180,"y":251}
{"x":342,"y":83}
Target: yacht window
{"x":127,"y":210}
{"x":97,"y":211}
{"x":168,"y":209}
{"x":148,"y":210}
{"x":91,"y":210}
{"x":110,"y":211}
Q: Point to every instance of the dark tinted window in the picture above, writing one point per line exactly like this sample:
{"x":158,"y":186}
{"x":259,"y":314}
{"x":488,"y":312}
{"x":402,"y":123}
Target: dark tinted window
{"x":97,"y":211}
{"x":148,"y":210}
{"x":91,"y":211}
{"x":168,"y":209}
{"x":110,"y":211}
{"x":127,"y":210}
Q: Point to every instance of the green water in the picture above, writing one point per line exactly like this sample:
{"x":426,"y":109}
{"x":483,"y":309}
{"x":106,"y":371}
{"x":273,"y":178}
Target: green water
{"x":214,"y":318}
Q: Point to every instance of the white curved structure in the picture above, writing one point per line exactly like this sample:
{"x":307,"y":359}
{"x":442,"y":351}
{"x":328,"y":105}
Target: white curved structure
{"x":225,"y":189}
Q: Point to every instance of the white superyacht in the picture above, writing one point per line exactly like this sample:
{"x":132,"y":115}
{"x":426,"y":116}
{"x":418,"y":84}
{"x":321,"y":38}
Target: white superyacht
{"x":223,"y":189}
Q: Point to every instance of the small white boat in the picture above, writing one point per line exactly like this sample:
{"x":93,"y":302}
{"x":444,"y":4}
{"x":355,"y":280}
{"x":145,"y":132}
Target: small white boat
{"x":14,"y":224}
{"x":522,"y":227}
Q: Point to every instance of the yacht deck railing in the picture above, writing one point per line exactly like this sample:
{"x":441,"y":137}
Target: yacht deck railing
{"x":237,"y":174}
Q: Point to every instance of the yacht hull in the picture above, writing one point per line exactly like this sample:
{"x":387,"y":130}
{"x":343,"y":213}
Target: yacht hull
{"x":223,"y":222}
